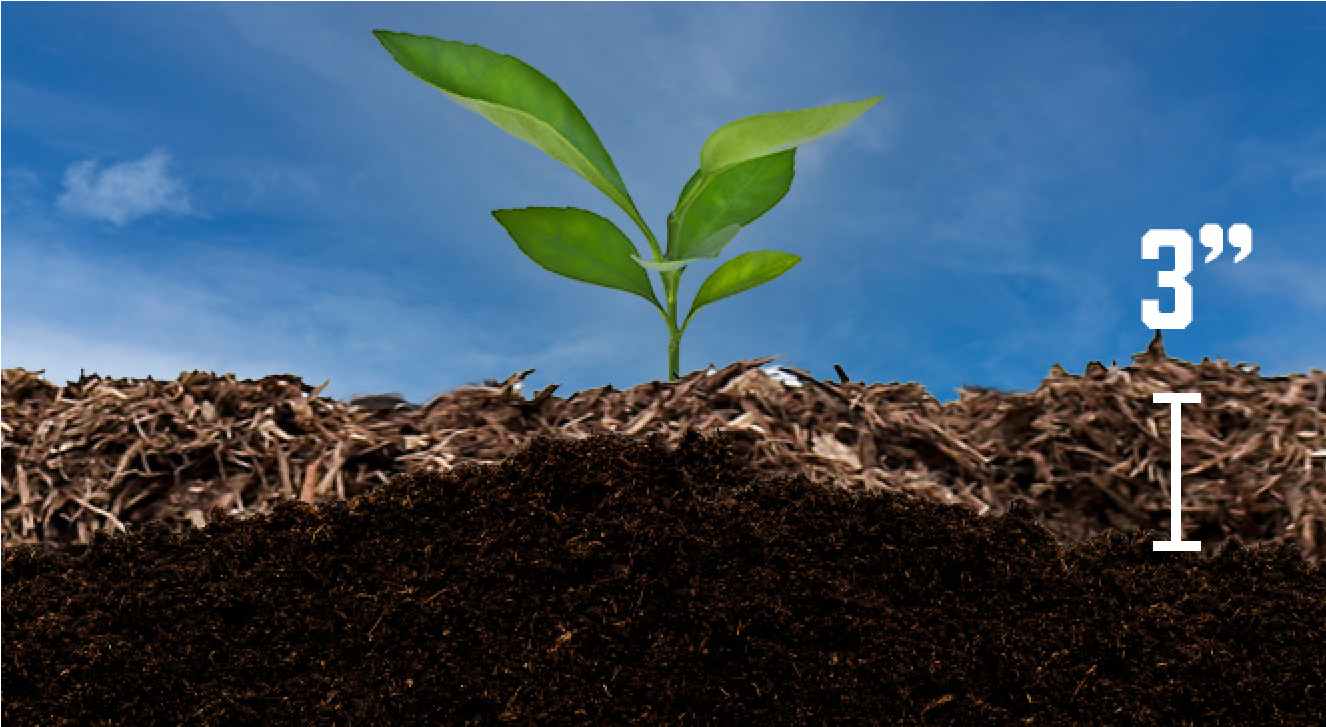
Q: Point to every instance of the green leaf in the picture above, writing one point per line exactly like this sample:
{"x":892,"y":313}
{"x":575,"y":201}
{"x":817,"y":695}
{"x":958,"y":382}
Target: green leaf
{"x":762,"y":134}
{"x":580,"y":245}
{"x":516,"y":97}
{"x":739,"y":274}
{"x":736,"y":197}
{"x":714,"y":242}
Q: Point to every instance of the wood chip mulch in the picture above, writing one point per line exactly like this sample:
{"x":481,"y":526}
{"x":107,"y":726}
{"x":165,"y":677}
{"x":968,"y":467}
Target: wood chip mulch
{"x":724,"y":549}
{"x":1089,"y":452}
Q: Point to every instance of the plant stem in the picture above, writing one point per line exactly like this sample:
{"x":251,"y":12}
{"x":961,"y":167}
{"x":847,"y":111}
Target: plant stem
{"x":671,"y":281}
{"x":674,"y":353}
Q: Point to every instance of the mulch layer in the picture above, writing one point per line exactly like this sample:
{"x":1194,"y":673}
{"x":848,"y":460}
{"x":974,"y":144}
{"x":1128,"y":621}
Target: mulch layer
{"x":723,"y":549}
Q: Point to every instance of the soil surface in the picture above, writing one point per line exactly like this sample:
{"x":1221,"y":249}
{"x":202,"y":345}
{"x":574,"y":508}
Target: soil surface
{"x":610,"y":580}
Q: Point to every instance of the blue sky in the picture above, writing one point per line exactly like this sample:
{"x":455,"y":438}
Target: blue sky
{"x":259,"y":188}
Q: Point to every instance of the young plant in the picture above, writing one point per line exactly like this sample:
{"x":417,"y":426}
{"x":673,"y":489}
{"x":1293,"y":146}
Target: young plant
{"x":745,"y":169}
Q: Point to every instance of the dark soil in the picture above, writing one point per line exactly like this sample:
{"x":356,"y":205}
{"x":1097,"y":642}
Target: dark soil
{"x":610,"y":581}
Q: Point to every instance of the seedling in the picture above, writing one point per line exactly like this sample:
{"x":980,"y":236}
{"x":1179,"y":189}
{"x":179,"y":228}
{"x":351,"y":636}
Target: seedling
{"x":746,"y":167}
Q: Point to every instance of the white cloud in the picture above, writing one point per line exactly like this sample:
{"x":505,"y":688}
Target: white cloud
{"x":124,"y":192}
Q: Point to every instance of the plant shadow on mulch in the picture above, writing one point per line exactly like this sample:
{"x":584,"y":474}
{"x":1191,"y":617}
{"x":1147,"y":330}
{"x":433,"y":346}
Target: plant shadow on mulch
{"x":613,"y":580}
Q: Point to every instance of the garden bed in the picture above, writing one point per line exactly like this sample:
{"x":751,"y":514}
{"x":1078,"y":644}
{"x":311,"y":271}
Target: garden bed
{"x":724,"y":548}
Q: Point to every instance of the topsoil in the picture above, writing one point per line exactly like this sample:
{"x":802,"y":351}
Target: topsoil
{"x":961,"y":567}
